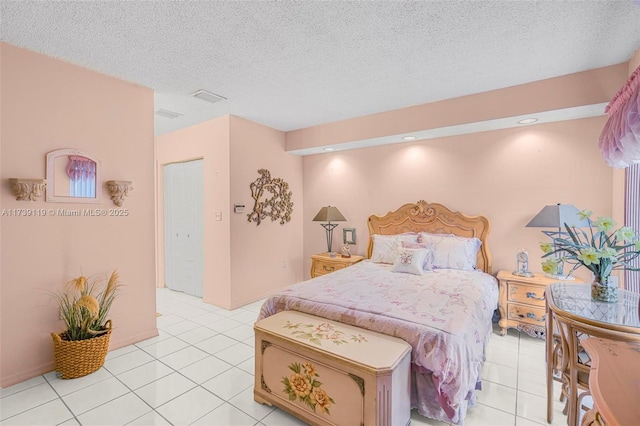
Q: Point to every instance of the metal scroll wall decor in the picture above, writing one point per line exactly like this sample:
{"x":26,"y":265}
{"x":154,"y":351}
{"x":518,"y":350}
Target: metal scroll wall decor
{"x":272,"y":198}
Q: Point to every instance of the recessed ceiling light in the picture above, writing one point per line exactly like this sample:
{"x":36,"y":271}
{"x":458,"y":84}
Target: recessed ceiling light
{"x":409,"y":138}
{"x":208,"y":96}
{"x":527,"y":120}
{"x":329,"y":149}
{"x":168,"y":114}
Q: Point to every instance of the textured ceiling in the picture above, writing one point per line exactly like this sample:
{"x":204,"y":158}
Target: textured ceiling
{"x":291,"y":65}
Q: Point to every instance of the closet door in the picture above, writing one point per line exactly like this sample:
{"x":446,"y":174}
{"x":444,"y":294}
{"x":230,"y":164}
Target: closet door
{"x":184,"y":226}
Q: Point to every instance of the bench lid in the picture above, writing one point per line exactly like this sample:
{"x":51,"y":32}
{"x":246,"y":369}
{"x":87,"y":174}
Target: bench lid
{"x":375,"y":350}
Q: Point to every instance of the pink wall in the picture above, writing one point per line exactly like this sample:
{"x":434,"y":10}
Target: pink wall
{"x":506,"y":175}
{"x":268,"y":256}
{"x":47,"y":105}
{"x":243,"y":262}
{"x":585,"y":88}
{"x":209,"y":141}
{"x":634,"y":62}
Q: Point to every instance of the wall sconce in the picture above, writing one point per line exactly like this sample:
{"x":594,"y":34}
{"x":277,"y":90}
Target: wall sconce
{"x":328,"y":214}
{"x":27,"y":189}
{"x":119,"y":189}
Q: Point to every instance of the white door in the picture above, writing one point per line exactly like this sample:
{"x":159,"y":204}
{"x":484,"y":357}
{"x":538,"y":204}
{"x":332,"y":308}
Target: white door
{"x":184,"y":226}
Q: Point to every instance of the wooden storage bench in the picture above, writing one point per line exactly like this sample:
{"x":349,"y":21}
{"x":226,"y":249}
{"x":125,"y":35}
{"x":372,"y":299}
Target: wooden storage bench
{"x":328,"y":373}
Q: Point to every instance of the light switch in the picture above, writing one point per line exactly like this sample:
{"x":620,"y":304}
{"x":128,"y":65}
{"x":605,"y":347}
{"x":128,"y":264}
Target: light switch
{"x":218,"y":215}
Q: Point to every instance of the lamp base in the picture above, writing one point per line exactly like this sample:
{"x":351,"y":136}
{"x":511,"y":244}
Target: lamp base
{"x":560,"y":277}
{"x":523,"y":274}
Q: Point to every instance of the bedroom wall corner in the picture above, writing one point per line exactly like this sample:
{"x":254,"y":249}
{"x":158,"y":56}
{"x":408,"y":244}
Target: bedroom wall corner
{"x":208,"y":141}
{"x":48,"y":104}
{"x":269,"y":256}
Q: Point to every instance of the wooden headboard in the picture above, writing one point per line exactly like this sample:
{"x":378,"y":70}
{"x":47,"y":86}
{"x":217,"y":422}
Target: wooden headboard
{"x":435,"y":219}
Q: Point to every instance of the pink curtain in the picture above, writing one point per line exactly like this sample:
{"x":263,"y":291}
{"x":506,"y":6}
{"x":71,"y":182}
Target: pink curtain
{"x":80,"y":167}
{"x":82,"y":173}
{"x":620,"y":138}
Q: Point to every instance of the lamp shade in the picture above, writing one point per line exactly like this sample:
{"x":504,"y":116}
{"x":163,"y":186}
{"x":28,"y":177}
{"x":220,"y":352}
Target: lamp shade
{"x":555,"y":216}
{"x":329,"y":214}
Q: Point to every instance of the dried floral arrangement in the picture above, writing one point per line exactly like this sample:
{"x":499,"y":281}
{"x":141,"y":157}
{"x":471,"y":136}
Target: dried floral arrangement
{"x":84,"y":306}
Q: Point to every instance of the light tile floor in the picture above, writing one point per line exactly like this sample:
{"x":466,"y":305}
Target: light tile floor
{"x":199,"y":370}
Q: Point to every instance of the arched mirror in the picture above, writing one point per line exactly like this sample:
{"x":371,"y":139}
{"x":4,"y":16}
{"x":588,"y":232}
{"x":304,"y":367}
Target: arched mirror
{"x":73,"y":177}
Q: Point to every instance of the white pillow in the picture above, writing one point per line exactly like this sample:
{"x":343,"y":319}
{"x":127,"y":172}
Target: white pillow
{"x":428,"y":260}
{"x":410,"y":260}
{"x":451,"y":251}
{"x":385,"y":246}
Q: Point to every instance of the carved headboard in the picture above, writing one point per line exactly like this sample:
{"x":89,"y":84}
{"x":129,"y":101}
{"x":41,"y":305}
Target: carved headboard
{"x":435,"y":219}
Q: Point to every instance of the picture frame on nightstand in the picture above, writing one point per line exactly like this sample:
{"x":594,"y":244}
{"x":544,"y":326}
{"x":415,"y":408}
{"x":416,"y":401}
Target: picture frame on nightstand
{"x":349,"y":235}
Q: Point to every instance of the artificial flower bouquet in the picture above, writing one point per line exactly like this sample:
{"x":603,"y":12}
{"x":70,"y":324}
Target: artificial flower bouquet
{"x":601,"y":251}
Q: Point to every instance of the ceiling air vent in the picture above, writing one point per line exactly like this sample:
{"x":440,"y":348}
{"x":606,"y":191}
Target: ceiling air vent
{"x":208,"y":96}
{"x":168,"y":114}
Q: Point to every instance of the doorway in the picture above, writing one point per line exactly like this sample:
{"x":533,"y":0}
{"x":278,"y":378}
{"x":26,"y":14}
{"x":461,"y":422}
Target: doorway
{"x":184,"y":226}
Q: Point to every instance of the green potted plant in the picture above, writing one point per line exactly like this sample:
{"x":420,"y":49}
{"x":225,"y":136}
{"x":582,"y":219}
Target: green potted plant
{"x":602,"y":252}
{"x":84,"y":306}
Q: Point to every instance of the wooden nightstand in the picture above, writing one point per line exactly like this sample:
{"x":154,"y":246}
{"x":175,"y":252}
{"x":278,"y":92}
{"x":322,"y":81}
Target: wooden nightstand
{"x":521,"y":302}
{"x":322,"y":264}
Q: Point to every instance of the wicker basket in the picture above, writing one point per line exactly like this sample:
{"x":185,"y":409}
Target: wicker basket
{"x":77,"y":358}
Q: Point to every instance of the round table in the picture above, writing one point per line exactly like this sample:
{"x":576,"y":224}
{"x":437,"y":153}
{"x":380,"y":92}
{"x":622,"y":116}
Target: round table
{"x":571,"y":316}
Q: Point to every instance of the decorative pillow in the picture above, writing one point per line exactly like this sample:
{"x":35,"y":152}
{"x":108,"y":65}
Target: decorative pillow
{"x":451,"y":251}
{"x":385,"y":246}
{"x":425,"y":237}
{"x":428,"y":260}
{"x":410,"y":260}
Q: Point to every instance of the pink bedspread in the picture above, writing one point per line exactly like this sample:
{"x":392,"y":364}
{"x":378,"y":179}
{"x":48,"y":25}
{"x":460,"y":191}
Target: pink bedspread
{"x":444,"y":315}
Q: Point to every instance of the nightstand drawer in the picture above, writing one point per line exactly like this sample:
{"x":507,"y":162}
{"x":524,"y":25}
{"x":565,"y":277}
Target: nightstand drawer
{"x":323,"y":264}
{"x":521,"y":302}
{"x":527,"y":314}
{"x":527,"y":294}
{"x":327,"y":267}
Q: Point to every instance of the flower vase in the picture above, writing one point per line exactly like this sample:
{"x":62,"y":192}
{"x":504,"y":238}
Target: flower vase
{"x":603,"y":290}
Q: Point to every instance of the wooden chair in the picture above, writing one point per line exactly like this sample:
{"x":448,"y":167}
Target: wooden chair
{"x":572,"y":362}
{"x":613,"y":381}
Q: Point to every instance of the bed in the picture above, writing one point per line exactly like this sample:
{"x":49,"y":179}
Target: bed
{"x":445,"y":315}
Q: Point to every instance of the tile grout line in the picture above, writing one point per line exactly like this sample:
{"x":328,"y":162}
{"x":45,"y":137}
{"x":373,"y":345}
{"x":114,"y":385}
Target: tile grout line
{"x":198,"y":384}
{"x":205,"y":389}
{"x":153,"y":410}
{"x":63,"y":401}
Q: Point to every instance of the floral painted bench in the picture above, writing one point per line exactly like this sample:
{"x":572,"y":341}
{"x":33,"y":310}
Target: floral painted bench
{"x":328,"y":373}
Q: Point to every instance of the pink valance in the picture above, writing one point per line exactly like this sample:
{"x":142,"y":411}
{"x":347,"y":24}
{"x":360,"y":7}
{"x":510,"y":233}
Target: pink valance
{"x":80,"y":167}
{"x":620,"y":138}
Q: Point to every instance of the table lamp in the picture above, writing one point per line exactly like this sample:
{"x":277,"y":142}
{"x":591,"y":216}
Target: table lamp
{"x":329,"y":214}
{"x":555,"y":216}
